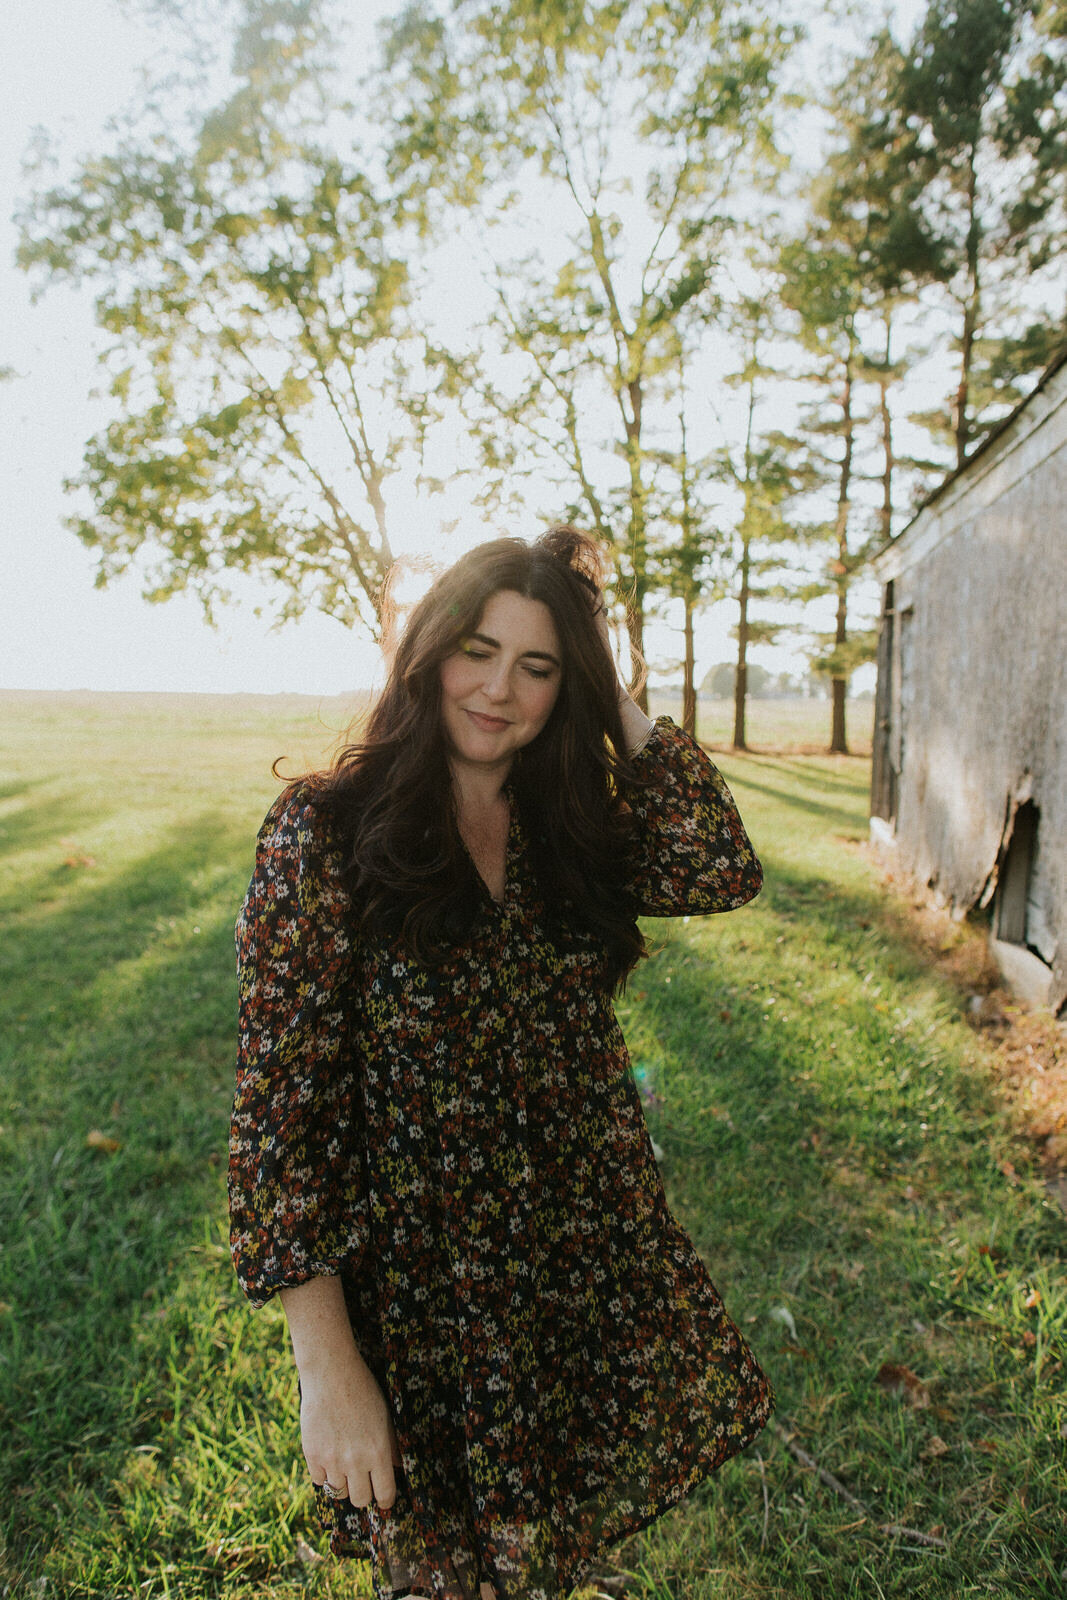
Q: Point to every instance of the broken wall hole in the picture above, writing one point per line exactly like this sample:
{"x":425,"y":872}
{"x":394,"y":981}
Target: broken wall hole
{"x":1024,"y":891}
{"x":1016,"y":875}
{"x":1024,"y":942}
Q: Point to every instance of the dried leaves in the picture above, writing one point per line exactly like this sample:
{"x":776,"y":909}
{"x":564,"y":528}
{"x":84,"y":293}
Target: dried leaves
{"x":76,"y":857}
{"x":902,"y":1382}
{"x":96,"y":1140}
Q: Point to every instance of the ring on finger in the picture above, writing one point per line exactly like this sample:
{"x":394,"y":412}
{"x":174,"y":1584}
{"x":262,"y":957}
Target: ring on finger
{"x":331,"y":1493}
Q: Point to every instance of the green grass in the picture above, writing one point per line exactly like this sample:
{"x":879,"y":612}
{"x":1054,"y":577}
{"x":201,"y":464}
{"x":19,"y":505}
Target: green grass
{"x":828,"y":1137}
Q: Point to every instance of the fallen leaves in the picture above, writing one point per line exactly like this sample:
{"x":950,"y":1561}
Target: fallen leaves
{"x":904,"y":1384}
{"x":96,"y":1140}
{"x":76,"y":856}
{"x":1026,"y":1050}
{"x":783,"y":1315}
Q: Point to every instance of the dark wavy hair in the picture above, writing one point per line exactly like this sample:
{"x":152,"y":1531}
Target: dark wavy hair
{"x":390,"y":793}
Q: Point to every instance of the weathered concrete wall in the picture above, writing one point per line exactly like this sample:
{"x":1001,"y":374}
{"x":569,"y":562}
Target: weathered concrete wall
{"x":980,"y":581}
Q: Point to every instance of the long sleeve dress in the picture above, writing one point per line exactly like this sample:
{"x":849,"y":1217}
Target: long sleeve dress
{"x":464,"y":1145}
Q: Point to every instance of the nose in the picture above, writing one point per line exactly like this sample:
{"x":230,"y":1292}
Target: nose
{"x":497,"y":685}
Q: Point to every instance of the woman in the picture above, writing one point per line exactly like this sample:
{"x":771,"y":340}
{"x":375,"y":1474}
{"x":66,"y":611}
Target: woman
{"x":510,"y":1355}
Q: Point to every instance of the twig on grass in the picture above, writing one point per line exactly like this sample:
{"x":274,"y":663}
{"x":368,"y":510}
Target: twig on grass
{"x":820,"y":1472}
{"x":766,"y":1500}
{"x":892,"y":1530}
{"x":896,"y":1530}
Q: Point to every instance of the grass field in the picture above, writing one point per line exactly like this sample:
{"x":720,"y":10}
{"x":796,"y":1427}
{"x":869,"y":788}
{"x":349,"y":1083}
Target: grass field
{"x":779,"y":725}
{"x":829,"y":1139}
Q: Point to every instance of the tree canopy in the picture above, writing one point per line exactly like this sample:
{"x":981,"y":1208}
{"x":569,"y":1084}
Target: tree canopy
{"x":627,"y":190}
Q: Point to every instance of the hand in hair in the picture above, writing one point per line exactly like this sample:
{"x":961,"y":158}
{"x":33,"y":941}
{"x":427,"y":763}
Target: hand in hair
{"x":636,"y":726}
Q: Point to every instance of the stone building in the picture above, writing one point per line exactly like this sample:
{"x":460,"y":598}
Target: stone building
{"x":969,"y":786}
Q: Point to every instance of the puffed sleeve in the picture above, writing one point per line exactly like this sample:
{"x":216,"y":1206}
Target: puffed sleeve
{"x":690,"y":852}
{"x":297,"y":1188}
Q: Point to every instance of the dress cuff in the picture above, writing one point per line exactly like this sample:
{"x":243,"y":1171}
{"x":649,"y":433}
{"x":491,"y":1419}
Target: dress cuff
{"x":635,"y":750}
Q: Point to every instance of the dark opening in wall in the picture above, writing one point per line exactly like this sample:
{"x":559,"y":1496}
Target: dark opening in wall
{"x":1013,"y":886}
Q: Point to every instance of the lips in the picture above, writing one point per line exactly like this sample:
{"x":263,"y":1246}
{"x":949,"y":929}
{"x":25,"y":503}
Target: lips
{"x":488,"y":724}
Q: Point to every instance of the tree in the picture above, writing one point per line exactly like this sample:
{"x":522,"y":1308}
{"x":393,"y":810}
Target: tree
{"x":690,"y":556}
{"x":582,"y":106}
{"x":866,"y":205}
{"x":765,"y":472}
{"x":265,"y":369}
{"x":822,"y":284}
{"x":983,"y":92}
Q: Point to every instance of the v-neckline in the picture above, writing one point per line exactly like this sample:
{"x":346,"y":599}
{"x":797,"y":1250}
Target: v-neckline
{"x":509,"y":852}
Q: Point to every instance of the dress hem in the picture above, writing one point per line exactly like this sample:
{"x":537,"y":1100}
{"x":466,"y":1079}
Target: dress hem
{"x":575,"y":1576}
{"x":666,"y":1502}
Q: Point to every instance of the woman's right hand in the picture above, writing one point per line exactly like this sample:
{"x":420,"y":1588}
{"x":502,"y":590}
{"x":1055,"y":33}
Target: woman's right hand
{"x":347,"y":1433}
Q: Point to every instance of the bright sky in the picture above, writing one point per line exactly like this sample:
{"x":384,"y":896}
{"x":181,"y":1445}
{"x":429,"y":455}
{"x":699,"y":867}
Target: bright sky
{"x":68,"y":65}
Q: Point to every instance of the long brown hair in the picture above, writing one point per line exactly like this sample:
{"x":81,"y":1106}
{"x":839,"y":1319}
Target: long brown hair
{"x":390,"y":793}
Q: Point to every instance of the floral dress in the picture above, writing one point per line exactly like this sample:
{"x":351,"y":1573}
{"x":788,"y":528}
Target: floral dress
{"x":464,"y":1145}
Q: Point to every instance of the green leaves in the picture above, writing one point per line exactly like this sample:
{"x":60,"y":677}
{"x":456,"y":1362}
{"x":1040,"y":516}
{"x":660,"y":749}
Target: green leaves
{"x":261,"y":247}
{"x":631,"y":127}
{"x":983,"y":95}
{"x":263,"y":354}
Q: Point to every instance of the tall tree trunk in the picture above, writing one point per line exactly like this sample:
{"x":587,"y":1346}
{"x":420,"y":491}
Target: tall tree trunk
{"x":839,"y":686}
{"x":970,"y":317}
{"x":741,"y":677}
{"x":629,"y":396}
{"x":741,"y":680}
{"x":838,"y":682}
{"x":689,"y":691}
{"x":689,"y":558}
{"x":889,"y":460}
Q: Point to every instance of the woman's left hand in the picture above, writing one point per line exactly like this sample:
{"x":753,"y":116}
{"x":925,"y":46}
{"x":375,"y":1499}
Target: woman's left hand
{"x":600,"y":614}
{"x":636,"y":725}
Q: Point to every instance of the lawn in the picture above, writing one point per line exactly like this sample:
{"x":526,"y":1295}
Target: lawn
{"x":829,"y":1138}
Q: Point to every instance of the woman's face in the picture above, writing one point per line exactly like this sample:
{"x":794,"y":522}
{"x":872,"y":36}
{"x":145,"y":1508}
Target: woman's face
{"x":499,"y":686}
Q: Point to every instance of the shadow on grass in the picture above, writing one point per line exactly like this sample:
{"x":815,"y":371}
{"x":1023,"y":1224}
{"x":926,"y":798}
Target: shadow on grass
{"x":839,"y":1161}
{"x":788,"y":1167}
{"x":122,"y":1029}
{"x":20,"y":787}
{"x":792,"y":1072}
{"x":847,"y":775}
{"x":83,"y":921}
{"x":39,"y":823}
{"x":842,"y":816}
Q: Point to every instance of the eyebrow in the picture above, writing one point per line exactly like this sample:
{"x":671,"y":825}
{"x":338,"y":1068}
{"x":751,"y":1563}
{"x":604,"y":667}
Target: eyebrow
{"x":536,"y":655}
